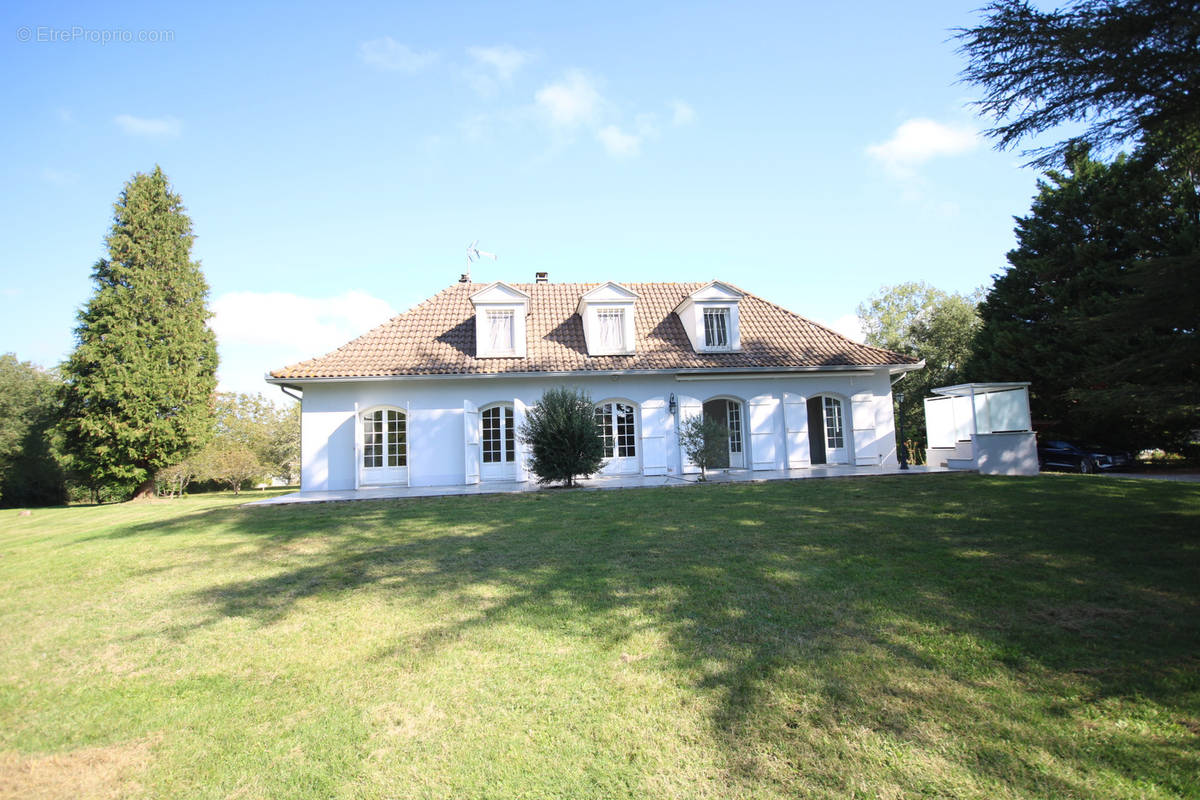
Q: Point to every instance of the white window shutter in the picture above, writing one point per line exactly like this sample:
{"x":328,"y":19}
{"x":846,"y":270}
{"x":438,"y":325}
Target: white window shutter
{"x":522,"y":449}
{"x":689,"y":407}
{"x":655,"y":418}
{"x":795,"y":425}
{"x":863,"y":443}
{"x":471,"y":442}
{"x":764,"y":434}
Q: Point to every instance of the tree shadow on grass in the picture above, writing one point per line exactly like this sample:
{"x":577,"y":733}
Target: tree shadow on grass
{"x":977,"y":623}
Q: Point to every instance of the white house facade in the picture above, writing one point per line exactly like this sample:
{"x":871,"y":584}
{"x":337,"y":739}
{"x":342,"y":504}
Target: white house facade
{"x":436,"y":396}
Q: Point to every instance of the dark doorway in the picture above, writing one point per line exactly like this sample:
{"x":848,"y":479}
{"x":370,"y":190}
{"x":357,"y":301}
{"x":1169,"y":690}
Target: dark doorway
{"x":816,"y":430}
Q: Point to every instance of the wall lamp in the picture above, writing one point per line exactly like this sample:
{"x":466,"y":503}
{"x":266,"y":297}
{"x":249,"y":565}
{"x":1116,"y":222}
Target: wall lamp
{"x":671,"y":403}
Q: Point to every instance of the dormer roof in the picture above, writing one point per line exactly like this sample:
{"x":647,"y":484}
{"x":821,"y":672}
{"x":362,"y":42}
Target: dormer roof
{"x":713,"y":291}
{"x":500,"y":292}
{"x":608,"y":292}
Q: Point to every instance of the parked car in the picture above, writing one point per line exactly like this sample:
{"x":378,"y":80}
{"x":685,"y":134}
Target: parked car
{"x":1084,"y":458}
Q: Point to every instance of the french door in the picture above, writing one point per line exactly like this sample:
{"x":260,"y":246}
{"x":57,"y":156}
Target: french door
{"x":499,"y":442}
{"x":835,"y":431}
{"x":617,"y":424}
{"x":384,"y":447}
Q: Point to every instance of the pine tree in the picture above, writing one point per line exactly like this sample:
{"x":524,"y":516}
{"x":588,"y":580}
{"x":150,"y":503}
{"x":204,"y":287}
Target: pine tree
{"x":137,"y":394}
{"x":1098,"y":305}
{"x":1117,"y":71}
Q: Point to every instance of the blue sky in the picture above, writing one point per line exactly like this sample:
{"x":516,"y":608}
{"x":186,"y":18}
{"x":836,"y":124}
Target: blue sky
{"x":336,"y":160}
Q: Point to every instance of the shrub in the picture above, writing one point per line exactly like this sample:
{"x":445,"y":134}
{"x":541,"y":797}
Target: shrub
{"x":562,"y":437}
{"x":704,"y":441}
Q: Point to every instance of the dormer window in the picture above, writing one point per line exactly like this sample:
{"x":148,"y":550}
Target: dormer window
{"x":612,"y":329}
{"x":500,"y":312}
{"x":716,"y":328}
{"x":710,"y":318}
{"x":607,"y":314}
{"x":500,"y":332}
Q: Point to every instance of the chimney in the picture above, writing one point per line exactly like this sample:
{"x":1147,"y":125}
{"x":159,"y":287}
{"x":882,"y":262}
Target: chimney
{"x":541,"y":277}
{"x":464,"y":278}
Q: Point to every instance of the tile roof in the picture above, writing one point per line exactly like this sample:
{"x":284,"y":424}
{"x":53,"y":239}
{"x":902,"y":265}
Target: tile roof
{"x":437,"y":337}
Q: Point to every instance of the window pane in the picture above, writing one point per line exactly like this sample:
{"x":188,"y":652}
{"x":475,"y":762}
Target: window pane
{"x":735,"y":427}
{"x":383,"y":439}
{"x":605,"y":425}
{"x":500,"y":324}
{"x":716,"y":327}
{"x":491,"y":435}
{"x":510,"y":450}
{"x":834,"y":437}
{"x":626,"y":438}
{"x":612,"y":328}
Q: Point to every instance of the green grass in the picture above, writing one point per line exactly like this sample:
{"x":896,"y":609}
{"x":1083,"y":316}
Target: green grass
{"x":933,"y":636}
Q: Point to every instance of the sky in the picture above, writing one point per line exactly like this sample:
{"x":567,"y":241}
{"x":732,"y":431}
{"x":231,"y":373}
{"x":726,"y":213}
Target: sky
{"x":337,"y":159}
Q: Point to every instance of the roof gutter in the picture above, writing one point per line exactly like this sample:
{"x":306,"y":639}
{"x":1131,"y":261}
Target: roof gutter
{"x":680,"y":374}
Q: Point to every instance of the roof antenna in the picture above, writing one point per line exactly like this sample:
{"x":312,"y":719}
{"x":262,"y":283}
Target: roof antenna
{"x":473,"y":254}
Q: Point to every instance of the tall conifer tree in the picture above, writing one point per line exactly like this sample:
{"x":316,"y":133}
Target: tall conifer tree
{"x":138,"y":388}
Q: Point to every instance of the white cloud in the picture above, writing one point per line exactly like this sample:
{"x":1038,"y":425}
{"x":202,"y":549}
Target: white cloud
{"x":148,"y":126}
{"x":503,"y":61}
{"x":388,"y":54}
{"x":848,"y":325}
{"x":261,"y":331}
{"x":682,"y":113}
{"x":618,"y":143}
{"x":571,"y":101}
{"x":919,"y":140}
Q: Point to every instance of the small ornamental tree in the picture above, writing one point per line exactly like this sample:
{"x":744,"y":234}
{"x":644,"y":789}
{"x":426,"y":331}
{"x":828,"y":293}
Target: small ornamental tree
{"x":562,"y":437}
{"x":229,"y":463}
{"x":705,"y":441}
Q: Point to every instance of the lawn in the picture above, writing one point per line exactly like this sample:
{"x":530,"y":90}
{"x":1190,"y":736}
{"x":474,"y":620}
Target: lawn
{"x":926,"y":636}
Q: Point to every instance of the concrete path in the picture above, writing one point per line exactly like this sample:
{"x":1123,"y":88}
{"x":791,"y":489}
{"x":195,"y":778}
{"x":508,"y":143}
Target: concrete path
{"x":613,"y":482}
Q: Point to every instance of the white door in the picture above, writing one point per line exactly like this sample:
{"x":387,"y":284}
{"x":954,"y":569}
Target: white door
{"x":384,"y":447}
{"x":733,"y":421}
{"x":835,"y":431}
{"x":498,"y":440}
{"x":618,"y":426}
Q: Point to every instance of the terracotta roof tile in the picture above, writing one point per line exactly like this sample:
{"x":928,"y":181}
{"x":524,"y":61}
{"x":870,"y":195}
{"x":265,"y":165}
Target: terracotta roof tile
{"x":437,"y":337}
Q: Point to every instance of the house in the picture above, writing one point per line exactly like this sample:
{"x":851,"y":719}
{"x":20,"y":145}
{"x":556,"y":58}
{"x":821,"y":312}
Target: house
{"x":436,"y":395}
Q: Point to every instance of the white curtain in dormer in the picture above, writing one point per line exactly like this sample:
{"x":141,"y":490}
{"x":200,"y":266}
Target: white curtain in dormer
{"x":501,"y":323}
{"x":612,"y":330}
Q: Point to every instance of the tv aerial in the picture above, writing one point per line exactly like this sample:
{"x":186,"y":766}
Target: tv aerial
{"x":473,"y":255}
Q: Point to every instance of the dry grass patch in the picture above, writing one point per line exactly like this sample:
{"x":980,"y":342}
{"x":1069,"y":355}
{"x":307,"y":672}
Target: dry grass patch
{"x":88,"y":773}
